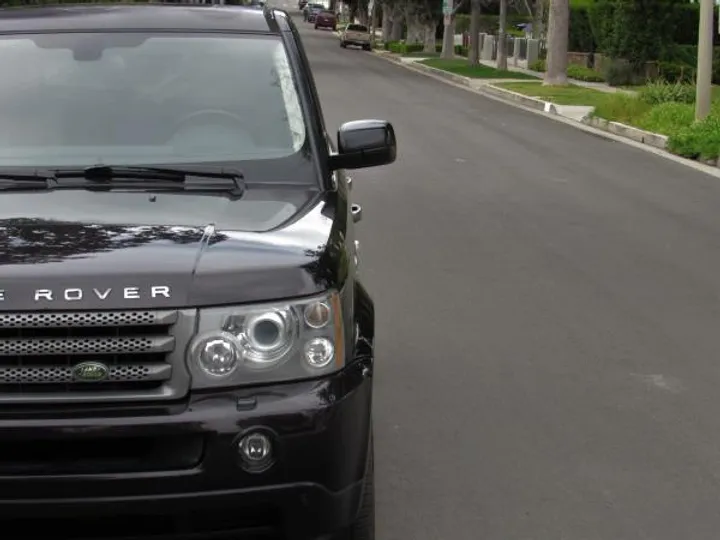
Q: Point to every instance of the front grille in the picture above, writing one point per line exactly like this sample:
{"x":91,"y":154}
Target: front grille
{"x":136,"y":350}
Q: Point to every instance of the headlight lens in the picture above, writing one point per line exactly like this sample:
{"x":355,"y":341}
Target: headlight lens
{"x":216,"y":355}
{"x":274,"y":342}
{"x":267,"y":337}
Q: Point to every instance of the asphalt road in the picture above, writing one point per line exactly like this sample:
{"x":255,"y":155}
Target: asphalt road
{"x":549,"y":319}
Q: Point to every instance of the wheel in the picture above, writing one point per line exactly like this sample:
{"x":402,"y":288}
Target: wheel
{"x":316,"y":27}
{"x":343,"y":45}
{"x":366,"y":47}
{"x":364,"y":526}
{"x":334,"y":28}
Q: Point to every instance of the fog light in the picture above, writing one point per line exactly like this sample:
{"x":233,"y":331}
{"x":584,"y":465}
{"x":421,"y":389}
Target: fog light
{"x":256,"y":451}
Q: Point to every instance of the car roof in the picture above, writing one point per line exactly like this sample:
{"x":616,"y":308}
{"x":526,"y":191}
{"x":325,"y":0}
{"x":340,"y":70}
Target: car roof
{"x":138,"y":17}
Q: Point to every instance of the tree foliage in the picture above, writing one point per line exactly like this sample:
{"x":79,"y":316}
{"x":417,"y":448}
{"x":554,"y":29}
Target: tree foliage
{"x":637,"y":31}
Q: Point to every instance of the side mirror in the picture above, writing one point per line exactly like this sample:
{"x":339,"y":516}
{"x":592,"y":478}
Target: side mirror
{"x":364,"y":143}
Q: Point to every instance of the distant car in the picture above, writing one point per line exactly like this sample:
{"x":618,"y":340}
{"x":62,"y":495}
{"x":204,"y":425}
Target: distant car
{"x":356,"y":34}
{"x":326,"y":19}
{"x":311,"y":11}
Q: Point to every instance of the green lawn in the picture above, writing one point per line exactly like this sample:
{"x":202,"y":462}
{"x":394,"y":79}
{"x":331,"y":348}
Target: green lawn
{"x":460,"y":66}
{"x":421,"y":54}
{"x":562,"y":95}
{"x":675,"y":119}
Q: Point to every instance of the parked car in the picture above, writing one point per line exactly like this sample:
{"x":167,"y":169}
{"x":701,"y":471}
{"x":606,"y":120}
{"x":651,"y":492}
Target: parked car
{"x":187,"y":346}
{"x":311,"y":11}
{"x":356,"y":34}
{"x":326,"y":19}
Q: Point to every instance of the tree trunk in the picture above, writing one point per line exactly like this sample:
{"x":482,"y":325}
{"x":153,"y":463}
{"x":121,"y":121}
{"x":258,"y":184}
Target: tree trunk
{"x":448,"y":48}
{"x":557,"y":43}
{"x":386,"y":24}
{"x":539,"y":16}
{"x":429,"y":41}
{"x":415,"y":31}
{"x":373,"y":22}
{"x":396,"y":33}
{"x":502,"y":37}
{"x":474,"y":53}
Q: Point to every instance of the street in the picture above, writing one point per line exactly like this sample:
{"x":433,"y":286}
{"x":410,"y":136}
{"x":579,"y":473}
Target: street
{"x":548,"y":319}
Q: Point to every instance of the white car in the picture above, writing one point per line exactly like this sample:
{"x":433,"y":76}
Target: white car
{"x":356,"y":34}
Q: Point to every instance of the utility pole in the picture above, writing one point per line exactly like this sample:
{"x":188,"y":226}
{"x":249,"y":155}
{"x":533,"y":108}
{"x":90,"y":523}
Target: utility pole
{"x":704,"y":66}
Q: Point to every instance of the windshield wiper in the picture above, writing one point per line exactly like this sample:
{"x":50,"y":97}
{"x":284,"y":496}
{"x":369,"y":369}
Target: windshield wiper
{"x":105,"y":177}
{"x":190,"y":178}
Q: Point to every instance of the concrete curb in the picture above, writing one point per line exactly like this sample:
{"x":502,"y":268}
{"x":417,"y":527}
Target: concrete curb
{"x":459,"y":79}
{"x":528,"y":101}
{"x":645,"y":137}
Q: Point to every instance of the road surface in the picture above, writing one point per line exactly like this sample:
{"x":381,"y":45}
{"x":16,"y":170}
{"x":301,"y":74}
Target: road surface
{"x":549,"y":319}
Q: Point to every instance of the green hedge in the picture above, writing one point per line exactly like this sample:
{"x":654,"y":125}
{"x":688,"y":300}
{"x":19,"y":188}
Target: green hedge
{"x":579,"y":73}
{"x":634,"y":30}
{"x":580,"y":38}
{"x":400,"y":47}
{"x":686,"y":19}
{"x":679,"y":64}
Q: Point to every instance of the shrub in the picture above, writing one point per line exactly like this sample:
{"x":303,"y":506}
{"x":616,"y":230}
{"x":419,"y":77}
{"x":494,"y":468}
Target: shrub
{"x":620,"y":73}
{"x":582,"y":73}
{"x":621,"y":107}
{"x":656,"y":92}
{"x":667,"y":118}
{"x":538,"y":65}
{"x":400,"y":47}
{"x":697,"y":140}
{"x":683,"y":59}
{"x":676,"y":72}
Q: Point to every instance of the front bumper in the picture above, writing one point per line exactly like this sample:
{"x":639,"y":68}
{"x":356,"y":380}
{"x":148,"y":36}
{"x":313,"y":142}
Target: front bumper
{"x":357,"y":42}
{"x":153,"y":472}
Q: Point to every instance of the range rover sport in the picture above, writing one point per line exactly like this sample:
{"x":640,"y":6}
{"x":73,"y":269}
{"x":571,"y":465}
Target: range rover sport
{"x":185,"y":347}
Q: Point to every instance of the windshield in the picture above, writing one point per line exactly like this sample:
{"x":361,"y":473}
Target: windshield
{"x":357,"y":28}
{"x":79,"y":99}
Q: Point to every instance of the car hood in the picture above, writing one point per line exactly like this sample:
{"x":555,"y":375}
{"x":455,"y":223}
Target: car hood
{"x":78,"y":253}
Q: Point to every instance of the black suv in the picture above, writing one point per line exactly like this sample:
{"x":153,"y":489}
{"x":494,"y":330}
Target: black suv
{"x":185,"y":346}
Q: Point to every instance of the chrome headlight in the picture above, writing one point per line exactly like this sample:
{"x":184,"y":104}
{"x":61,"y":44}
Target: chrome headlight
{"x":266,"y":343}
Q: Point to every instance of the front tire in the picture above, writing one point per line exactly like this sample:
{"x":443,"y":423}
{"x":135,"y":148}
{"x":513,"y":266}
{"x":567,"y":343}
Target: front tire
{"x":343,"y":45}
{"x":316,"y":27}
